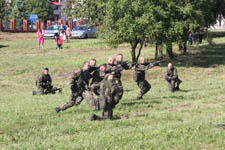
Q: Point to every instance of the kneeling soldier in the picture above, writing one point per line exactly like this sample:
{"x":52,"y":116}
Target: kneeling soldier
{"x":172,"y":78}
{"x":44,"y":84}
{"x":106,"y":99}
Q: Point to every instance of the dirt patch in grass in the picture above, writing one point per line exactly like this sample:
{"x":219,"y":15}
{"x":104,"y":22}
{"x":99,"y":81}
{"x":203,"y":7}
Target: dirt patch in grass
{"x":15,"y":36}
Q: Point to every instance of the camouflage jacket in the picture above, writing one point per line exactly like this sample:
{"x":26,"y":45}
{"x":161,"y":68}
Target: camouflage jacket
{"x":116,"y":69}
{"x":80,"y":79}
{"x":139,"y":73}
{"x":124,"y":65}
{"x":98,"y":76}
{"x":93,"y":69}
{"x":171,"y":74}
{"x":44,"y":80}
{"x":108,"y":89}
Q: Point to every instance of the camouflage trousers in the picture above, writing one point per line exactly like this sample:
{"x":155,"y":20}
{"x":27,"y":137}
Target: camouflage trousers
{"x":95,"y":88}
{"x":107,"y":104}
{"x":144,"y":86}
{"x":43,"y":90}
{"x":174,"y":84}
{"x":119,"y":91}
{"x":77,"y":98}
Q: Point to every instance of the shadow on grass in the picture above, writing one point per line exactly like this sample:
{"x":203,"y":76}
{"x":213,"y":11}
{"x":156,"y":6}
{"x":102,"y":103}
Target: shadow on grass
{"x":204,"y":56}
{"x":2,"y":46}
{"x":140,"y":102}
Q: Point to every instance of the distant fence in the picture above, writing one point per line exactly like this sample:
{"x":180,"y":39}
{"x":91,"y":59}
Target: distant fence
{"x":32,"y":27}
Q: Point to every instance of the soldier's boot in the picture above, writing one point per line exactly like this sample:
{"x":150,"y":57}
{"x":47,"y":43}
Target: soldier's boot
{"x":178,"y":84}
{"x":69,"y":104}
{"x":34,"y":93}
{"x":140,"y":96}
{"x":95,"y":117}
{"x":107,"y":114}
{"x":57,"y":109}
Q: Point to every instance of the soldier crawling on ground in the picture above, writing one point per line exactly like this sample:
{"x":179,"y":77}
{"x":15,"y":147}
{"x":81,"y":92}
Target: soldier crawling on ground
{"x":44,"y":84}
{"x":106,"y":100}
{"x":172,"y":78}
{"x":139,"y":76}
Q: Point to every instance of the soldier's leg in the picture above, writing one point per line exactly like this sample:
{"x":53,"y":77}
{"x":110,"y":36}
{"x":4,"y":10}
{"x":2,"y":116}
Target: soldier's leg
{"x":145,"y":87}
{"x":96,"y":89}
{"x":93,"y":103}
{"x":172,"y":86}
{"x":71,"y":103}
{"x":106,"y":114}
{"x":178,"y":82}
{"x":119,"y":94}
{"x":40,"y":91}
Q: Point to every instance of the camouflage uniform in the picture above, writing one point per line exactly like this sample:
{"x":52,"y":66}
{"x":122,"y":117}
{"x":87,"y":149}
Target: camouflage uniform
{"x":106,"y":100}
{"x":139,"y":78}
{"x":79,"y":90}
{"x":98,"y":76}
{"x":172,"y":79}
{"x":117,"y":69}
{"x":44,"y":84}
{"x":92,"y":69}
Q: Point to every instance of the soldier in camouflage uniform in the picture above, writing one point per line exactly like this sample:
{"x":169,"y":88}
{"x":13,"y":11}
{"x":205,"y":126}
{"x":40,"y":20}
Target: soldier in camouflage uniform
{"x":106,"y":99}
{"x":116,"y":69}
{"x":172,"y":78}
{"x":139,"y":76}
{"x":98,"y":76}
{"x":93,"y":66}
{"x":44,"y":83}
{"x":79,"y":89}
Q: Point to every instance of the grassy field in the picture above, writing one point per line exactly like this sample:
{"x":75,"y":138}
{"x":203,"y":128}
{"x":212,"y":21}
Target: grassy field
{"x":162,"y":120}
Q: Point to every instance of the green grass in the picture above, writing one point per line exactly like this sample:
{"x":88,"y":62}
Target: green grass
{"x":183,"y":120}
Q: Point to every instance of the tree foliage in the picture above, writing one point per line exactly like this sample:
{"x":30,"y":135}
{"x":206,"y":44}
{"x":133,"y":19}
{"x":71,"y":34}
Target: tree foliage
{"x":2,"y":9}
{"x":42,"y":8}
{"x":19,"y":10}
{"x":162,"y":21}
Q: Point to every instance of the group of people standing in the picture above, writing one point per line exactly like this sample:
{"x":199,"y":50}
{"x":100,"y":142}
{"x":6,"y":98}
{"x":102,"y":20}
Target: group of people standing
{"x":105,"y":82}
{"x":63,"y":33}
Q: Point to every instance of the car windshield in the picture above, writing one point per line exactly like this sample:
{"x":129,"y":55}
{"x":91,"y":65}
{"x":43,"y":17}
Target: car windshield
{"x":80,"y":28}
{"x":51,"y":28}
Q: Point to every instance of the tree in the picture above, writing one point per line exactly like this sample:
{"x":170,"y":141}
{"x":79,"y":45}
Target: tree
{"x":2,"y":9}
{"x":19,"y":11}
{"x":162,"y":22}
{"x":40,"y":7}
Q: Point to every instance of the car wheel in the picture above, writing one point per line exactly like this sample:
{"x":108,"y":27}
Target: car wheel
{"x":86,"y":36}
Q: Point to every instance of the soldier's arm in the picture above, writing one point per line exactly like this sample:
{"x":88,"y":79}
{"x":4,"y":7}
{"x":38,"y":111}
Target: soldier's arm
{"x":75,"y":76}
{"x":175,"y":74}
{"x":40,"y":80}
{"x":126,"y":65}
{"x":141,"y":67}
{"x":167,"y":77}
{"x":50,"y":79}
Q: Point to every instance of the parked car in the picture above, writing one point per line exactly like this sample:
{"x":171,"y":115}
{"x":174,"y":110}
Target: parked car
{"x":50,"y":32}
{"x":84,"y":32}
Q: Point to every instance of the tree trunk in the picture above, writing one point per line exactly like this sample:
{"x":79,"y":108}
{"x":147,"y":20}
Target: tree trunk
{"x":169,"y":50}
{"x":139,"y":51}
{"x":185,"y":46}
{"x":133,"y":50}
{"x":161,"y":52}
{"x":156,"y":50}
